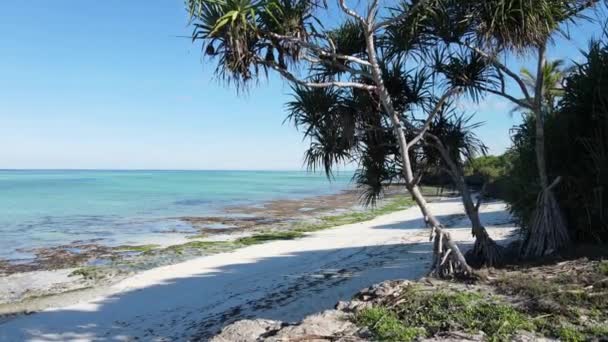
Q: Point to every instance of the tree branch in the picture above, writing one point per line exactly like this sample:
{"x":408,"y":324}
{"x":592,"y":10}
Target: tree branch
{"x":371,"y":14}
{"x":501,"y":93}
{"x":351,"y":12}
{"x":292,"y":78}
{"x":502,"y":67}
{"x":431,"y":116}
{"x":319,"y":50}
{"x":332,"y":63}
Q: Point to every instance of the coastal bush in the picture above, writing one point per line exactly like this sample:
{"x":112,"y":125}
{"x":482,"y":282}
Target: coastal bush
{"x":577,"y":151}
{"x":489,"y":172}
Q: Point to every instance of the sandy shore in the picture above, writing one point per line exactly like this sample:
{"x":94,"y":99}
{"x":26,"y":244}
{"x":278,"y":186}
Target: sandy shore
{"x":283,"y":280}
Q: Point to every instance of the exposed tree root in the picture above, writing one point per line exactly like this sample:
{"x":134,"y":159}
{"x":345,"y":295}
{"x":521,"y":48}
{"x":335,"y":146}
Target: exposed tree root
{"x":547,"y":232}
{"x":485,"y":251}
{"x":448,"y":260}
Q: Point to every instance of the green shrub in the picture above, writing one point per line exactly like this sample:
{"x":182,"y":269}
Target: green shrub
{"x":489,"y":171}
{"x":577,"y":150}
{"x":424,"y":313}
{"x":386,"y":326}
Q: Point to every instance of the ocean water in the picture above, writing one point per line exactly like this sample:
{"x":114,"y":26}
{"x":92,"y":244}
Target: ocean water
{"x":52,"y":208}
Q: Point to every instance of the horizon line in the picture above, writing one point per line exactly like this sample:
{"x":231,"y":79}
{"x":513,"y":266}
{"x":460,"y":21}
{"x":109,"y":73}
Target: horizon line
{"x":137,"y":169}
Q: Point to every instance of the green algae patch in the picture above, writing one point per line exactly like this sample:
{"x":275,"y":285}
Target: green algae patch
{"x":330,"y":221}
{"x":197,"y":236}
{"x":137,"y":248}
{"x":205,"y":246}
{"x":267,"y":237}
{"x":91,"y":272}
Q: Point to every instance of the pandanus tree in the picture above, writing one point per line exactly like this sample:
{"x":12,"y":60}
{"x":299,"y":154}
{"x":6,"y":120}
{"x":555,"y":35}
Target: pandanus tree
{"x":488,"y":32}
{"x":357,"y":86}
{"x":451,"y":142}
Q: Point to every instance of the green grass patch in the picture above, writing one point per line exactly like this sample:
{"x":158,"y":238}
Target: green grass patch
{"x":570,"y":334}
{"x":602,"y":267}
{"x":386,"y":326}
{"x":431,"y":312}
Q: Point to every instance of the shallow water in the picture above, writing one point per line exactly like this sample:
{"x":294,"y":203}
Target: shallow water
{"x":51,"y":208}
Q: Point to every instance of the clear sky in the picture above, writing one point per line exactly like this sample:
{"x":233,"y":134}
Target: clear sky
{"x":111,"y":84}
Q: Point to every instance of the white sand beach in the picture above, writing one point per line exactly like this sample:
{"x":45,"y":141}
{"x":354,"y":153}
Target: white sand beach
{"x":283,"y":280}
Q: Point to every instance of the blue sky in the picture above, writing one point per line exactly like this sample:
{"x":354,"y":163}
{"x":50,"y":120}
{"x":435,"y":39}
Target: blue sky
{"x":110,"y":84}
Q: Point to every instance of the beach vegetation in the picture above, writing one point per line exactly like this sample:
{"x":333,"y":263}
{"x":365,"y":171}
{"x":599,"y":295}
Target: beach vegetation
{"x":428,"y":313}
{"x":576,"y":153}
{"x":565,"y":301}
{"x":386,"y":326}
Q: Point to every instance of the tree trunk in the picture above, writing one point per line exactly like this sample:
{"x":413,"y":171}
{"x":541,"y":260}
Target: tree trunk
{"x":448,"y":259}
{"x":547,"y":231}
{"x":486,"y":252}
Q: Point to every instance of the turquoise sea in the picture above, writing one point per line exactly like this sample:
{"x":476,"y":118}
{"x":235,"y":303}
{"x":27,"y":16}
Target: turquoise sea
{"x":50,"y":208}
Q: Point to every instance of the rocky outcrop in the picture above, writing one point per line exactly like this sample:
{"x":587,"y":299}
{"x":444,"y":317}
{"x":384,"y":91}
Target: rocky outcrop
{"x":336,"y":325}
{"x":248,"y":330}
{"x":329,"y":325}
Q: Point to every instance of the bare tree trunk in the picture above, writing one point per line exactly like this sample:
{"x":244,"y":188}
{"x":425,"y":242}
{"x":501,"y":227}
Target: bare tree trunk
{"x":547,"y":231}
{"x":448,"y":259}
{"x":485,"y":250}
